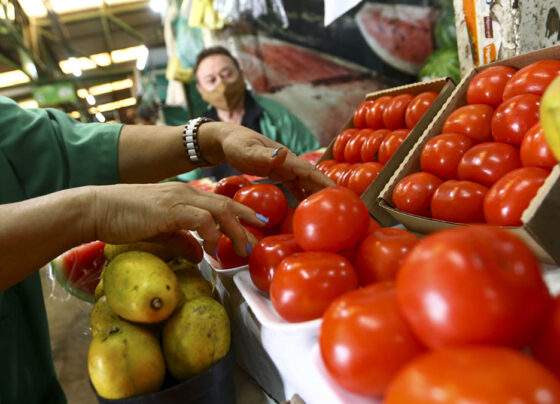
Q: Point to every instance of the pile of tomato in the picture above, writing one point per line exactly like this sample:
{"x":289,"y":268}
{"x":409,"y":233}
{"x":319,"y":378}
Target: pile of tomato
{"x":461,"y":315}
{"x":380,"y":127}
{"x":491,"y":157}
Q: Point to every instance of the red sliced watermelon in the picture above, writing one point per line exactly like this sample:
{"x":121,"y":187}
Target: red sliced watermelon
{"x":400,"y":34}
{"x":314,"y":156}
{"x":79,"y":269}
{"x":204,"y":184}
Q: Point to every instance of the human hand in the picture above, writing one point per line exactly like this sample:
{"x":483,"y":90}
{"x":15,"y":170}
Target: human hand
{"x":127,"y":213}
{"x":253,"y":153}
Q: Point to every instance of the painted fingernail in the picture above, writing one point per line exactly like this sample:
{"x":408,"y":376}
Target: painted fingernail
{"x":275,"y":152}
{"x":248,"y":248}
{"x":262,"y":218}
{"x":215,"y":251}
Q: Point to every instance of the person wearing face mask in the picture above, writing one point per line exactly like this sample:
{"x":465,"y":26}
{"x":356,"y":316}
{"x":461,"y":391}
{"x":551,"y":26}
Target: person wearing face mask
{"x":220,"y":82}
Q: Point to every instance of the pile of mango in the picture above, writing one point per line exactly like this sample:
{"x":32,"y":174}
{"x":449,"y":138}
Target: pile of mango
{"x":152,"y":317}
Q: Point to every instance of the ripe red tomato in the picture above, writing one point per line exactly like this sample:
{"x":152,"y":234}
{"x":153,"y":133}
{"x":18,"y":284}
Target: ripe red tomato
{"x":473,"y":121}
{"x":324,"y":165}
{"x":535,"y":151}
{"x":225,"y":254}
{"x":337,"y":170}
{"x":360,"y":114}
{"x":532,"y":79}
{"x":459,"y":202}
{"x":265,"y":199}
{"x":228,"y":186}
{"x":514,"y":117}
{"x":473,"y":375}
{"x":304,"y":284}
{"x":372,"y":143}
{"x":340,"y":143}
{"x":287,"y":225}
{"x":267,"y":255}
{"x":365,"y":340}
{"x":486,"y":163}
{"x":413,"y":194}
{"x":390,"y":144}
{"x":417,"y":107}
{"x":487,"y":86}
{"x":374,"y":115}
{"x":545,"y":347}
{"x":472,"y":284}
{"x":345,"y":176}
{"x":363,"y":175}
{"x":508,"y":198}
{"x":394,"y":112}
{"x":373,"y":225}
{"x":352,"y":151}
{"x":330,"y":220}
{"x":442,"y":153}
{"x":380,"y":255}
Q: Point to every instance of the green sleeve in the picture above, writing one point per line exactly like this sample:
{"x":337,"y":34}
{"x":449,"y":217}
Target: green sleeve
{"x":46,"y":150}
{"x":280,"y":125}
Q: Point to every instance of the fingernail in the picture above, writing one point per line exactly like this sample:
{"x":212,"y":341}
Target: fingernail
{"x":248,"y":248}
{"x":275,"y":152}
{"x":262,"y":218}
{"x":215,"y":251}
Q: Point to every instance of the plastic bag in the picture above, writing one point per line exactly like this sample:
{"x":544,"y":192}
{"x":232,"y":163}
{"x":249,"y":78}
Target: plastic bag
{"x":233,"y":10}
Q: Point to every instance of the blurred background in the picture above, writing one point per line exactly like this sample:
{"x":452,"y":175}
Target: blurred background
{"x":102,"y":60}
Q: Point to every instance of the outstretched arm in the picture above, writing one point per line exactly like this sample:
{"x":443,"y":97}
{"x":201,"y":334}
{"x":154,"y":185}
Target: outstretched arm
{"x":35,"y":231}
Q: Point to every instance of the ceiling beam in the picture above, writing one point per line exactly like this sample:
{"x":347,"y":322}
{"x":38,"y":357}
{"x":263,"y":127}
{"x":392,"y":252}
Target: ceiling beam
{"x":127,"y":28}
{"x":106,"y":28}
{"x":9,"y":62}
{"x":12,"y":31}
{"x":62,"y":32}
{"x":96,"y":13}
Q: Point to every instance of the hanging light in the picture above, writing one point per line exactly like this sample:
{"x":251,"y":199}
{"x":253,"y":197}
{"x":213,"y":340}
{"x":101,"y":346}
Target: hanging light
{"x":158,"y":6}
{"x":90,"y":99}
{"x":142,"y":58}
{"x":74,"y":66}
{"x":100,"y":117}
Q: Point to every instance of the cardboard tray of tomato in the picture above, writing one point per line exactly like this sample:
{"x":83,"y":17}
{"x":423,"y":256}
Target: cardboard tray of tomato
{"x":444,"y":87}
{"x":541,"y":219}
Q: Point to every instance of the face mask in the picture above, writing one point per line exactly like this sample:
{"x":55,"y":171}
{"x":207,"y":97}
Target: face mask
{"x":225,"y":96}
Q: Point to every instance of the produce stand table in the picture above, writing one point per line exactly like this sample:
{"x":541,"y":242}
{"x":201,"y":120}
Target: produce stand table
{"x":283,"y":357}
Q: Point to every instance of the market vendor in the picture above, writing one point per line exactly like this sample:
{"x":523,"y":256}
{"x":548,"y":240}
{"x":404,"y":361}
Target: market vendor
{"x":55,"y":176}
{"x":220,"y":82}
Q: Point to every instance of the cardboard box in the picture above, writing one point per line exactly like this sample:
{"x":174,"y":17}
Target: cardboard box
{"x":444,"y":87}
{"x":489,"y":30}
{"x":542,"y":216}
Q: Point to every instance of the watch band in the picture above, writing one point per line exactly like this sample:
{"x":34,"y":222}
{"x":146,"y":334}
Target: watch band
{"x":190,"y":140}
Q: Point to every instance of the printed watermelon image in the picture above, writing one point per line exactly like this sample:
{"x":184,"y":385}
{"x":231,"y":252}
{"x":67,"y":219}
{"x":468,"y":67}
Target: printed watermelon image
{"x":78,"y":270}
{"x":319,"y":88}
{"x":400,"y":34}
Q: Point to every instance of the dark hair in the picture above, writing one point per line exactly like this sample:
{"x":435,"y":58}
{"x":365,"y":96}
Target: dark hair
{"x":214,"y":50}
{"x":146,"y":112}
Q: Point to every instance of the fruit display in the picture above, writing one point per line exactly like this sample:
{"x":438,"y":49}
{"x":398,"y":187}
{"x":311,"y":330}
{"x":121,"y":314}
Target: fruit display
{"x":153,"y":321}
{"x":380,"y":127}
{"x":491,"y":156}
{"x":392,"y":304}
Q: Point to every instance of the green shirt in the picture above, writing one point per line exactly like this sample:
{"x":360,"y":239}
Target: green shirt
{"x":42,"y":151}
